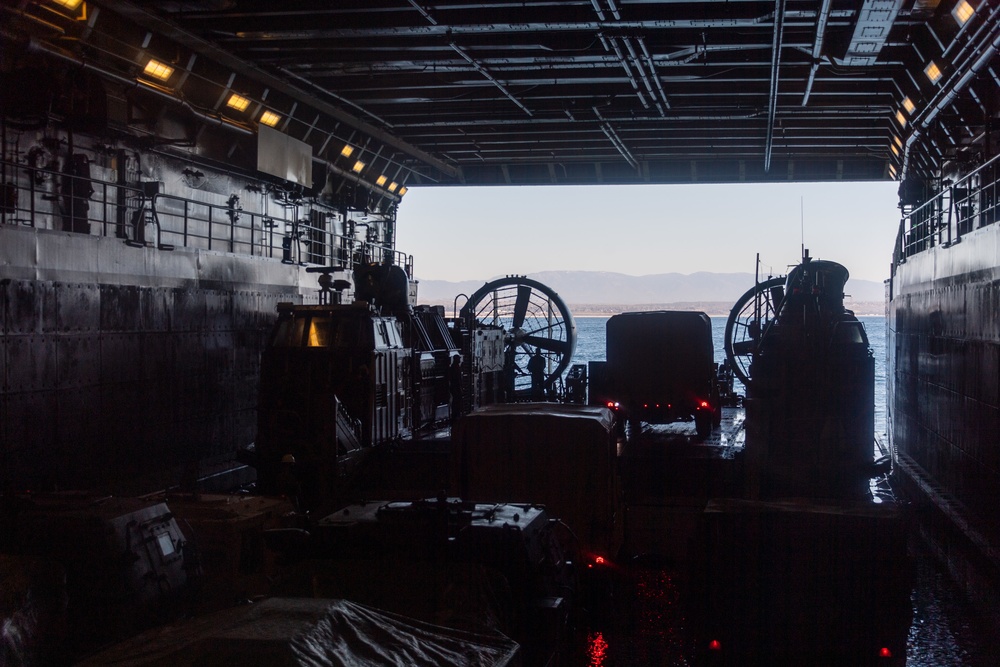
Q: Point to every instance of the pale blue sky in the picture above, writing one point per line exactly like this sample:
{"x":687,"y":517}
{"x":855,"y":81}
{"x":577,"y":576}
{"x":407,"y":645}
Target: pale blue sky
{"x":477,"y":233}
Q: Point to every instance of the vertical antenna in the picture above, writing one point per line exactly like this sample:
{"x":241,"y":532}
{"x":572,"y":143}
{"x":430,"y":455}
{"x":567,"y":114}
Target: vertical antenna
{"x":802,"y":226}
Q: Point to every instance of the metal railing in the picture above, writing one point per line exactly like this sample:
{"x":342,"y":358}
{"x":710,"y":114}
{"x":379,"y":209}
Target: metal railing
{"x":141,"y":216}
{"x":968,"y":204}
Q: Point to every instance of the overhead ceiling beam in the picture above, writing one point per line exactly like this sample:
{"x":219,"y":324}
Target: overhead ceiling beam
{"x":225,"y":58}
{"x":477,"y":85}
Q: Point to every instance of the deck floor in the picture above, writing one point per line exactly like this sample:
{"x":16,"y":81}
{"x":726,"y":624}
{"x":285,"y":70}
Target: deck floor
{"x":668,"y":474}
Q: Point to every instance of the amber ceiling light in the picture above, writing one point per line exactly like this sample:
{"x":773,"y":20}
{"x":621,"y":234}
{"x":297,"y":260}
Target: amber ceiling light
{"x":238,"y":102}
{"x":347,"y":150}
{"x":358,"y":166}
{"x":963,"y":12}
{"x":933,"y":72}
{"x":269,"y":118}
{"x":157,"y":70}
{"x":381,"y":180}
{"x":68,"y":4}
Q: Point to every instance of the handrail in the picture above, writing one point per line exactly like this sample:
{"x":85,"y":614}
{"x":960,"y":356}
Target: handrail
{"x":49,"y":199}
{"x":972,"y":202}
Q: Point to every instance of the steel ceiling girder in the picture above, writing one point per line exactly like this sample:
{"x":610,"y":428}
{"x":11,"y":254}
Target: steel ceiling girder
{"x":451,"y":83}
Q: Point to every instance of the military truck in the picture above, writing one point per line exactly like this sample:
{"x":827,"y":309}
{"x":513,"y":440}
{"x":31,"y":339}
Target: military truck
{"x":660,"y":368}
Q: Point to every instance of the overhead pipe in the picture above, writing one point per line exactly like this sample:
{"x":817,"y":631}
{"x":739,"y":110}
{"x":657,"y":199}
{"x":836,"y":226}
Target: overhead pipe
{"x":772,"y":102}
{"x":634,"y":58}
{"x":599,"y":10}
{"x":617,"y":143}
{"x":628,"y":71}
{"x":614,"y":10}
{"x":870,"y":113}
{"x":946,"y":95}
{"x":323,"y":91}
{"x":600,"y":15}
{"x":689,"y":53}
{"x":519,"y":28}
{"x":48,"y":25}
{"x":489,"y":77}
{"x":469,"y":59}
{"x":642,"y":72}
{"x":613,"y":42}
{"x":355,"y":178}
{"x":153,"y":22}
{"x":423,"y":12}
{"x":36,"y":46}
{"x":652,"y":69}
{"x":615,"y":140}
{"x":824,"y":15}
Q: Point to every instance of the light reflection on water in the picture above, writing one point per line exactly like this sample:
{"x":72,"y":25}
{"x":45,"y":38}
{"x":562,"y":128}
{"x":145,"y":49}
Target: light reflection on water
{"x":946,"y":629}
{"x":597,"y":649}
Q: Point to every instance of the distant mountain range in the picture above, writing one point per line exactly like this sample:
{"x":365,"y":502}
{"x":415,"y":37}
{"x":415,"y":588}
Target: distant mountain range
{"x":599,"y":290}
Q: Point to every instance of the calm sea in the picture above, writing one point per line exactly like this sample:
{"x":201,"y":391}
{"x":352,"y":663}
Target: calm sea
{"x":590,"y":334}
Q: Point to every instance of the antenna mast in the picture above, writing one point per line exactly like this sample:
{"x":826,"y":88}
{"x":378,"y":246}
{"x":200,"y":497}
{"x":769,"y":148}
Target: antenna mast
{"x":802,"y":226}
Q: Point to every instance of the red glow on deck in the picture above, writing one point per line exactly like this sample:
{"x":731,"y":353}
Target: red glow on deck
{"x":714,"y":645}
{"x":884,"y":652}
{"x":597,"y":649}
{"x":704,"y":404}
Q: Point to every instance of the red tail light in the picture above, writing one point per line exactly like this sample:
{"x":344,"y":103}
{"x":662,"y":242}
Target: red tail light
{"x":714,"y":645}
{"x":884,"y":652}
{"x":599,"y":561}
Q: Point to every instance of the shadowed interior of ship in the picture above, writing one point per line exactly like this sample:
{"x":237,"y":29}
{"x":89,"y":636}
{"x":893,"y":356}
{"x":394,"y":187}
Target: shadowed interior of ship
{"x":177,"y":177}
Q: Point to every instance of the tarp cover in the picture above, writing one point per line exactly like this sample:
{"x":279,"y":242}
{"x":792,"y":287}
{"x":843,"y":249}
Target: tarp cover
{"x":557,"y":455}
{"x":307,"y":632}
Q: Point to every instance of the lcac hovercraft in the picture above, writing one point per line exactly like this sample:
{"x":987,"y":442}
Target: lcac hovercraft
{"x":806,"y":566}
{"x":809,"y":373}
{"x":340,"y":378}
